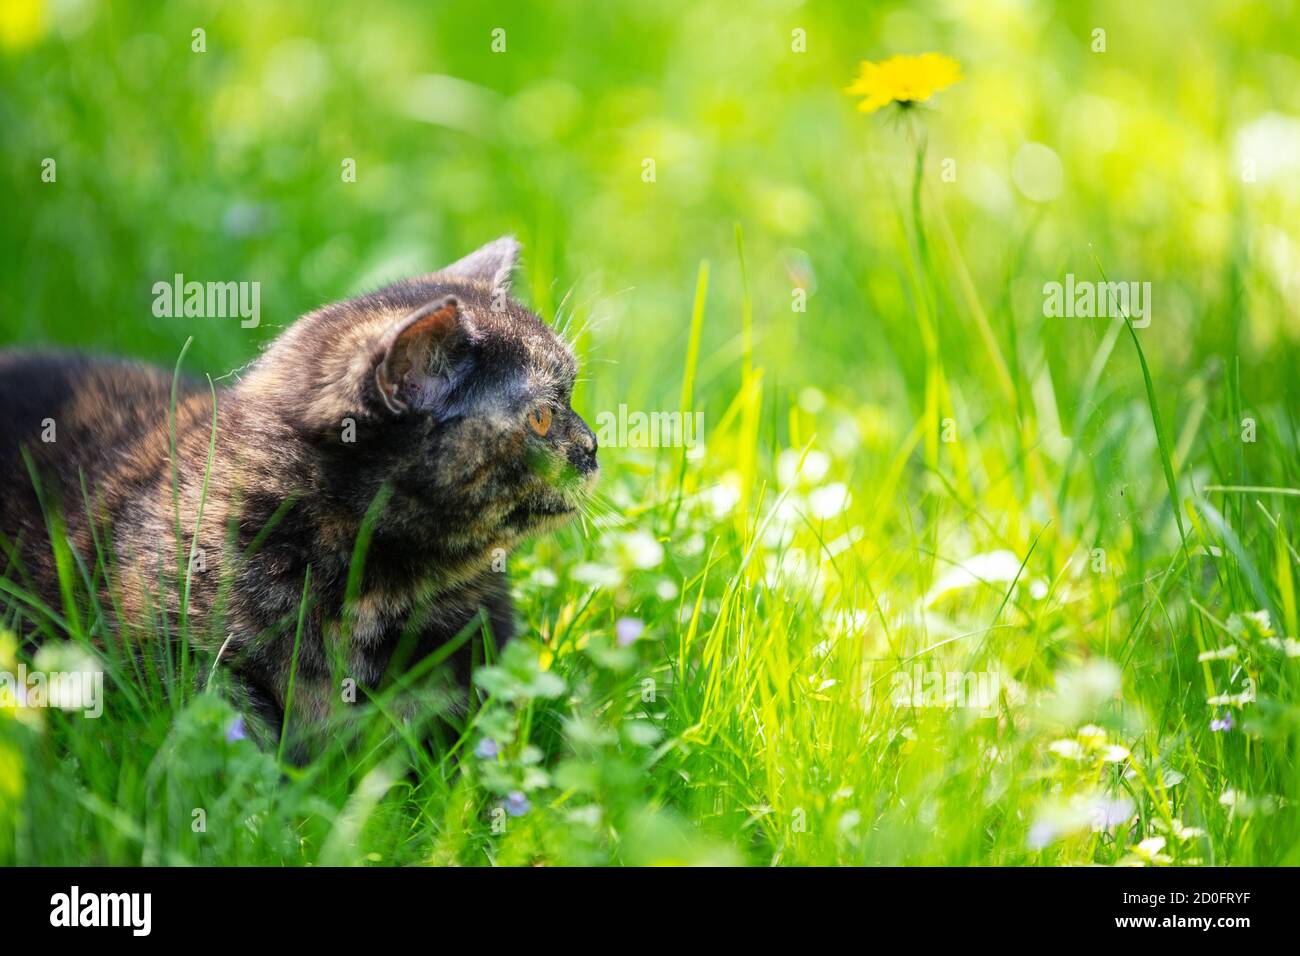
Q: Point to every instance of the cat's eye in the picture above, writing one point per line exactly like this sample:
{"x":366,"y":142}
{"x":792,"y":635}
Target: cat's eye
{"x":539,"y":419}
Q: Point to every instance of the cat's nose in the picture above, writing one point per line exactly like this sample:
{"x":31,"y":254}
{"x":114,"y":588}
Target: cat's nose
{"x":584,"y":446}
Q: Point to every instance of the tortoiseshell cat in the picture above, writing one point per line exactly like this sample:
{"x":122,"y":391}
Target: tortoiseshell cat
{"x":441,"y":390}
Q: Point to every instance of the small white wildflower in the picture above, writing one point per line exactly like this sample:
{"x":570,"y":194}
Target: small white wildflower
{"x":1251,"y":626}
{"x":1090,"y":735}
{"x":1115,"y":753}
{"x":829,"y":500}
{"x":794,"y":467}
{"x":995,"y":567}
{"x":642,"y":550}
{"x":1181,"y":832}
{"x":1241,"y":804}
{"x":666,"y":590}
{"x":600,"y":575}
{"x":812,"y":399}
{"x":783,"y":521}
{"x":1150,"y":848}
{"x":1069,"y":749}
{"x":1288,"y":646}
{"x":1247,"y":696}
{"x":721,"y":499}
{"x":1107,"y":813}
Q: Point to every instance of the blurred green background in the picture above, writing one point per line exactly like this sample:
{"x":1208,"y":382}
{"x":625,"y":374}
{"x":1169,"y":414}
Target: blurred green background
{"x":226,"y":165}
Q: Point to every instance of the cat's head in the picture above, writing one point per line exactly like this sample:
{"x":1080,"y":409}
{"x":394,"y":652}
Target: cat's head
{"x":447,"y":390}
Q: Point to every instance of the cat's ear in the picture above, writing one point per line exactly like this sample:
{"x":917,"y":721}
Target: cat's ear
{"x":413,"y":357}
{"x":491,"y":264}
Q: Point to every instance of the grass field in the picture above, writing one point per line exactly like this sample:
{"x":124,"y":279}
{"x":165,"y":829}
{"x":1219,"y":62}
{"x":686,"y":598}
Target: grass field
{"x":949,"y":580}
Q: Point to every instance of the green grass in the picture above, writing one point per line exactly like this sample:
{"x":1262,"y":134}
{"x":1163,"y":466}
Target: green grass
{"x":921,"y":474}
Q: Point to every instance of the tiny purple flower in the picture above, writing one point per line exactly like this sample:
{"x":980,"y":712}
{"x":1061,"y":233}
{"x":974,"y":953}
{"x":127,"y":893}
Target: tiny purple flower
{"x":487,"y":749}
{"x":517,"y":804}
{"x":1221,"y":724}
{"x":627,"y":630}
{"x":236,"y":731}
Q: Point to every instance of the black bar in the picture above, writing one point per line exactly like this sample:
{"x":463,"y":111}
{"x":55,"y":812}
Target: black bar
{"x":338,"y":905}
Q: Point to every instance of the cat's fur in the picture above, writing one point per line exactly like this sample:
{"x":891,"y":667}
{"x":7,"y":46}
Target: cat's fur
{"x":421,"y":393}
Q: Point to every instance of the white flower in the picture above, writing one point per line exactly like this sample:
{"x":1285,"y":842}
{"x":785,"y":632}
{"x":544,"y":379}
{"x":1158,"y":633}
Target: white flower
{"x":829,"y":500}
{"x":600,"y":575}
{"x":812,"y":399}
{"x":1247,"y":696}
{"x":1271,"y":143}
{"x":1149,"y":847}
{"x":1092,"y":735}
{"x":1107,"y":813}
{"x":794,"y":467}
{"x":993,"y":567}
{"x":666,"y":590}
{"x":720,"y":499}
{"x":642,"y":550}
{"x":783,"y":521}
{"x":1178,"y":831}
{"x":1059,"y":818}
{"x":1240,"y":804}
{"x":1289,"y":646}
{"x":1069,"y":749}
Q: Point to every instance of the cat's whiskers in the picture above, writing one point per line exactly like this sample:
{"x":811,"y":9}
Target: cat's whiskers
{"x":595,"y":317}
{"x":603,"y":512}
{"x":564,"y":319}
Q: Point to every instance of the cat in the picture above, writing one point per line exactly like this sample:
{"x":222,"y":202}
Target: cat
{"x":432,"y":417}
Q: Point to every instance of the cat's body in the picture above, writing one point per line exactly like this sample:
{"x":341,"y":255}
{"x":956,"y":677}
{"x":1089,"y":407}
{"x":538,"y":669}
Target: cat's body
{"x":439,"y":396}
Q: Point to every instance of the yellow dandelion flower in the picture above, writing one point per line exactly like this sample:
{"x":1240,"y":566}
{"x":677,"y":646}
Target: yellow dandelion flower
{"x":903,"y":80}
